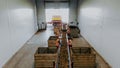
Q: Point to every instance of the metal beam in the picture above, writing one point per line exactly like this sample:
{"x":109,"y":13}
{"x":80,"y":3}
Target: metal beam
{"x":55,"y":1}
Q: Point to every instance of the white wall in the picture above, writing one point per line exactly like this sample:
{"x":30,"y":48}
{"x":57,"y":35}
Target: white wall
{"x":100,"y":25}
{"x":40,"y":12}
{"x":73,"y":10}
{"x":17,"y":25}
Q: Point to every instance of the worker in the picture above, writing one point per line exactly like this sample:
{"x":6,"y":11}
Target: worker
{"x":57,"y":34}
{"x":69,"y":42}
{"x":68,"y":32}
{"x":57,"y":43}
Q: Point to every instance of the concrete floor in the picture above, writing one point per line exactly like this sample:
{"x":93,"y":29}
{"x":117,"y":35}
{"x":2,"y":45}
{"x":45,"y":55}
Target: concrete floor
{"x":24,"y":58}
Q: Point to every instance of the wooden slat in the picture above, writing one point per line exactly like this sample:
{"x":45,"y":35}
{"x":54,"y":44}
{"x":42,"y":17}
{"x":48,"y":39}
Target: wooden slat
{"x":82,"y":57}
{"x":52,"y":41}
{"x":83,"y":66}
{"x":47,"y":59}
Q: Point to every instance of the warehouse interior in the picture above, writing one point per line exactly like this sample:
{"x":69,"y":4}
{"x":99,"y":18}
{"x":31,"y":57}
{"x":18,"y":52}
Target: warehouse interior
{"x":21,"y":30}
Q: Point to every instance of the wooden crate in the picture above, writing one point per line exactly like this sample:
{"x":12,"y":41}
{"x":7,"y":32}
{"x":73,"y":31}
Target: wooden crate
{"x":82,"y":50}
{"x":45,"y":57}
{"x":56,"y":29}
{"x":82,"y":57}
{"x":59,"y":26}
{"x":52,"y":41}
{"x":74,"y":31}
{"x":84,"y":67}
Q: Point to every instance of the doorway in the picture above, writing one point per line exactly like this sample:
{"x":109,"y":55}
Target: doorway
{"x":62,"y":12}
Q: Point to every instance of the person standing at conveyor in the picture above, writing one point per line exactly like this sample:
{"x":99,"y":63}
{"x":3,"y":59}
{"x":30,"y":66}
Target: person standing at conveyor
{"x":57,"y":43}
{"x":69,"y":42}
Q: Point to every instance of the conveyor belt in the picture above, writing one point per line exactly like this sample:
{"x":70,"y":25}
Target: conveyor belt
{"x":64,"y":54}
{"x":69,"y":57}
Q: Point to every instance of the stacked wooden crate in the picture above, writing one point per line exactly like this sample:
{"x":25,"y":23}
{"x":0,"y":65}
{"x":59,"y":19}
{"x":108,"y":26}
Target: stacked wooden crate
{"x":45,"y":57}
{"x":56,"y":30}
{"x":52,"y":41}
{"x":82,"y":57}
{"x":74,"y":31}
